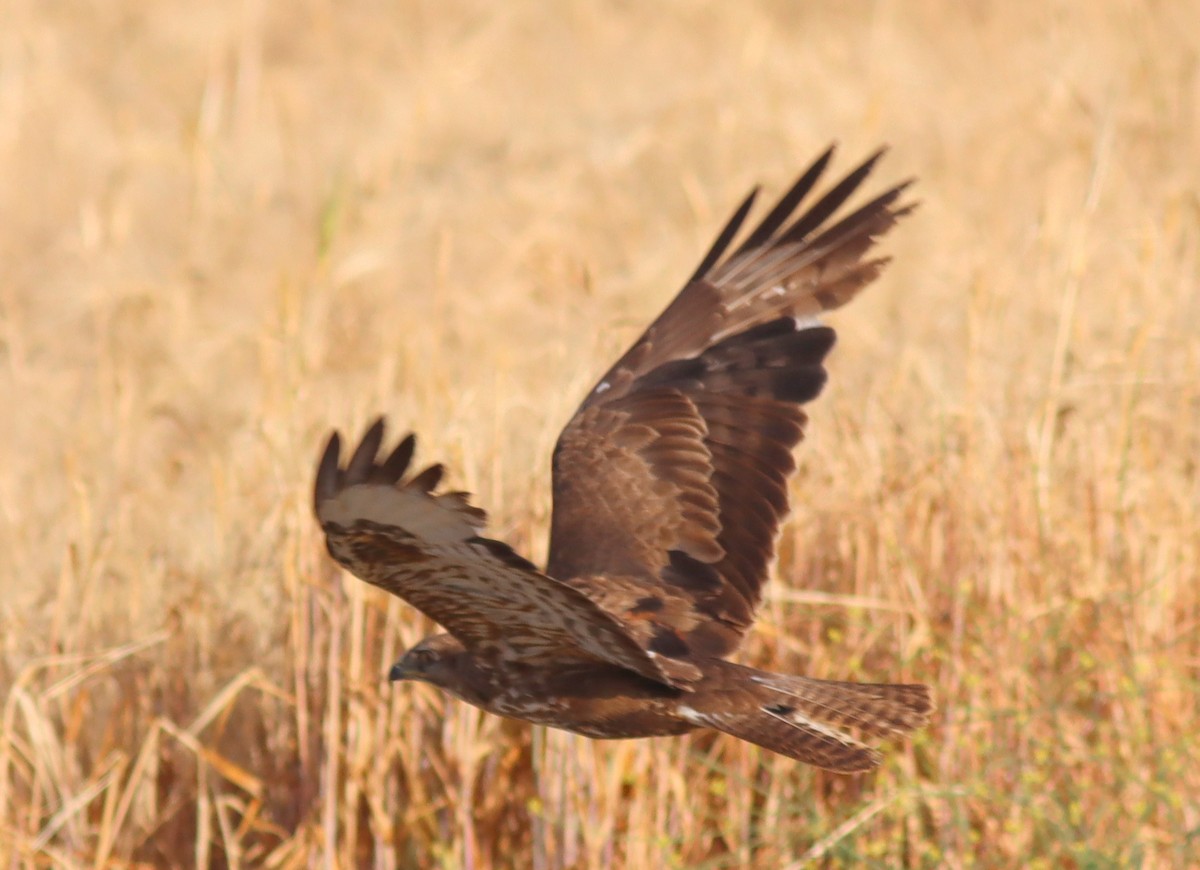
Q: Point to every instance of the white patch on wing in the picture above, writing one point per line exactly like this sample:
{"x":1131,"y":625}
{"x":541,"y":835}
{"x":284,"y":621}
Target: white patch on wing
{"x":602,"y":387}
{"x":690,"y":715}
{"x":808,"y":322}
{"x":417,"y":513}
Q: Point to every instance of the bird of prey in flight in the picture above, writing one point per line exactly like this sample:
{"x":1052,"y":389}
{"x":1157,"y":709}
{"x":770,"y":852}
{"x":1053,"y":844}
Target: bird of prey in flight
{"x":670,"y":483}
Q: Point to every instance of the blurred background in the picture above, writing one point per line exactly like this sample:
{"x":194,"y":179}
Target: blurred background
{"x":229,"y":227}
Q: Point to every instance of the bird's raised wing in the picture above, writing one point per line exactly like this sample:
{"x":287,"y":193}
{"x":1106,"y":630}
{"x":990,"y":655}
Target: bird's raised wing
{"x":670,"y":482}
{"x":401,"y":536}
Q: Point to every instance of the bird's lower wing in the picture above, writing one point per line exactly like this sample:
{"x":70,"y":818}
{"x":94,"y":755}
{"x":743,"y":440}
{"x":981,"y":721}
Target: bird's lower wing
{"x":425,"y":547}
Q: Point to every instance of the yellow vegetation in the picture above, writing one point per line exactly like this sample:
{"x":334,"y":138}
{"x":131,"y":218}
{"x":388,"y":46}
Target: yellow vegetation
{"x":230,"y":226}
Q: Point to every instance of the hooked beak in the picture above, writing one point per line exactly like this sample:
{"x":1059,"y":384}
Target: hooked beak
{"x":398,"y":672}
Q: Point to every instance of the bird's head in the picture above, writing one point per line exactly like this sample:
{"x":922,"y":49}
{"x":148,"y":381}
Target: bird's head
{"x":437,"y":660}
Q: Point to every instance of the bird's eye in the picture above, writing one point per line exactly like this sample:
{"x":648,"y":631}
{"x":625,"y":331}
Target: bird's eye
{"x":423,"y":658}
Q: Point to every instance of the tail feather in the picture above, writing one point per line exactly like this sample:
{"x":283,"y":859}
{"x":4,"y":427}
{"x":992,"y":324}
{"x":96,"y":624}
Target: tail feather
{"x":820,"y":722}
{"x":875,"y":709}
{"x":794,"y":736}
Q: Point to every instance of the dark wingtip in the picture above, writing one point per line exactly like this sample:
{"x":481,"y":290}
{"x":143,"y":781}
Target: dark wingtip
{"x":842,"y":190}
{"x":725,"y":236}
{"x":817,"y":168}
{"x":328,"y":472}
{"x":867,"y":166}
{"x":396,"y":464}
{"x":879,"y":153}
{"x":832,"y":200}
{"x":358,"y":469}
{"x":883,"y":207}
{"x":362,"y":468}
{"x":429,"y":478}
{"x":900,"y":189}
{"x":788,"y":203}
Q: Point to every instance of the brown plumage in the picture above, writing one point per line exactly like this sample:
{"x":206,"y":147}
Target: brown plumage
{"x":670,"y":483}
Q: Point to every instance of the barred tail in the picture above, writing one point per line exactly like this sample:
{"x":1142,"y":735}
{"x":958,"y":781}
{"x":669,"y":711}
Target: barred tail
{"x":820,"y":722}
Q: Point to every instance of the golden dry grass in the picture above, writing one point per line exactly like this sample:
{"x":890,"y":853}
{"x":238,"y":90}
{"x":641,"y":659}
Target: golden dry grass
{"x":230,"y":226}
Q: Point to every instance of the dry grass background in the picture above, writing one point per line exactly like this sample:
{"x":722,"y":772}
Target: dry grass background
{"x":230,"y":226}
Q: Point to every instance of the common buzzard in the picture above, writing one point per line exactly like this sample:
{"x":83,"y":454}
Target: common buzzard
{"x":670,"y":483}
